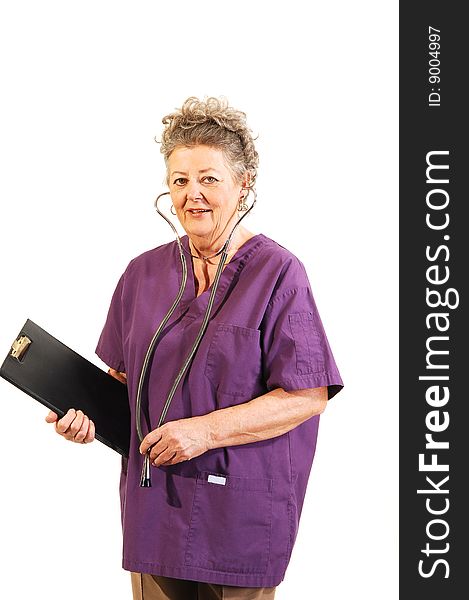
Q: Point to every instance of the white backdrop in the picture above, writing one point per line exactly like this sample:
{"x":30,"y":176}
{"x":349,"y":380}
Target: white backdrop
{"x":84,"y":87}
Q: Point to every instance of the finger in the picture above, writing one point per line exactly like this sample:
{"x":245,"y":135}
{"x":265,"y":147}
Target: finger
{"x":152,"y":438}
{"x":158,"y":449}
{"x":119,"y":375}
{"x":81,"y":434}
{"x":166,"y":457}
{"x":52,"y":417}
{"x":90,"y":435}
{"x":64,"y":423}
{"x":76,"y":424}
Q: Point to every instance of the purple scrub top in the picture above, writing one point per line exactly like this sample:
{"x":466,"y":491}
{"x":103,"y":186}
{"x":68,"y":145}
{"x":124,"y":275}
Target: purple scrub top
{"x":237,"y":528}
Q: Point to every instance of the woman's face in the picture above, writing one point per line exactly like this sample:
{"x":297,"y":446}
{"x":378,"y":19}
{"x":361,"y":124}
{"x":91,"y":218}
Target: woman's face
{"x":203,"y":192}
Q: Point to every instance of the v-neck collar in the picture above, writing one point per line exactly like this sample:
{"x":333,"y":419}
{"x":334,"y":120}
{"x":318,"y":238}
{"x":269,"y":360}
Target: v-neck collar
{"x":194,"y":305}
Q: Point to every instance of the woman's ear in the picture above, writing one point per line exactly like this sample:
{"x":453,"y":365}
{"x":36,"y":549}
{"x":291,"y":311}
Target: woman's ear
{"x":246,"y":180}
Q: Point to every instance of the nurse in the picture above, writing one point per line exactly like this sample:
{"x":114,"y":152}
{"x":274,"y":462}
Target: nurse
{"x":230,"y":463}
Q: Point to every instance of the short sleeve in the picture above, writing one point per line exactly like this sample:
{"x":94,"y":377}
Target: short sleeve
{"x":296,"y":352}
{"x":109,"y":348}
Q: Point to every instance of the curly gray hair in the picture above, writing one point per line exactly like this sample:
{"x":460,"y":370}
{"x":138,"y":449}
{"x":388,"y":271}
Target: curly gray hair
{"x":212,"y":122}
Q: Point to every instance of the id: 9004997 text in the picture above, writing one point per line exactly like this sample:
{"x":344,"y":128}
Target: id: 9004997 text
{"x":434,"y":97}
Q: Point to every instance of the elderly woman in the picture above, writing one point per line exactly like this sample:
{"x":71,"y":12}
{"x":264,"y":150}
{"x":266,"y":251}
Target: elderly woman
{"x":231,"y":461}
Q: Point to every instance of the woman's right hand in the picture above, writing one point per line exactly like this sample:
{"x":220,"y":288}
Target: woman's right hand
{"x":74,"y":426}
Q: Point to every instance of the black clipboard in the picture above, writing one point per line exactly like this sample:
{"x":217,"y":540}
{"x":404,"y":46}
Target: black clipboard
{"x":59,"y":378}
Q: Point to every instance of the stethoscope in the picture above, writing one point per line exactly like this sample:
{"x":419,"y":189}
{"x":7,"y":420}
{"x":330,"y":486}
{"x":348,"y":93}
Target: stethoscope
{"x":145,"y":479}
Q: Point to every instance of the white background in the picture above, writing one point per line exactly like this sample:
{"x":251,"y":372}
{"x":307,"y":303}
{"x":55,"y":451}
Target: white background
{"x":84,"y":87}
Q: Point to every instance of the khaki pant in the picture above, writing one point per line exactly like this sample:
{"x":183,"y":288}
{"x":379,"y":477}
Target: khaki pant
{"x":156,"y":587}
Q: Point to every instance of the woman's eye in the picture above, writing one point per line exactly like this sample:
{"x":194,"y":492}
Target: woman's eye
{"x":210,"y":179}
{"x":180,"y":181}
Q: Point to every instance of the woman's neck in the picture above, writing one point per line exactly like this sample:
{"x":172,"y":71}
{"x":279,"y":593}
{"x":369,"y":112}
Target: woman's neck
{"x":202,"y":248}
{"x":205,"y":270}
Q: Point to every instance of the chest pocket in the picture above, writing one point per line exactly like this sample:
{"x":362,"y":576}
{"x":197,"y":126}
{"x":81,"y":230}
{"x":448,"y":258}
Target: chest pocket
{"x":234,"y":364}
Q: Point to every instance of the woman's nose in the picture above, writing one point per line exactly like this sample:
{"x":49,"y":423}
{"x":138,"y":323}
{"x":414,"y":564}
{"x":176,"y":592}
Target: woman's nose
{"x":193,"y":190}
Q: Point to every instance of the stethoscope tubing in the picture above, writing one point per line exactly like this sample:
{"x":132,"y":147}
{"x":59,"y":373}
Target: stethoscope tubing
{"x":145,"y":480}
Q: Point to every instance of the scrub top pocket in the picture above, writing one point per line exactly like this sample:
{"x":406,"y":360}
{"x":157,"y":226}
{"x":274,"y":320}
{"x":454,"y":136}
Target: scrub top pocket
{"x":234,"y":364}
{"x":221,"y":504}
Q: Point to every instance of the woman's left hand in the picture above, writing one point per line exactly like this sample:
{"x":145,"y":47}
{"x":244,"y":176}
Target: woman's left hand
{"x":177,"y":441}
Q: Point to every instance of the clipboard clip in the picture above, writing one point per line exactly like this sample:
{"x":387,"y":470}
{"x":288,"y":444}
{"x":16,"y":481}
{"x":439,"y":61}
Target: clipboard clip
{"x":19,"y":347}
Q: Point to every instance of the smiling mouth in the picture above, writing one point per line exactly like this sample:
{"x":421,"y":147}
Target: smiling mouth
{"x":196,"y":211}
